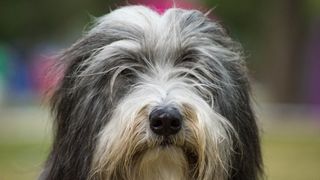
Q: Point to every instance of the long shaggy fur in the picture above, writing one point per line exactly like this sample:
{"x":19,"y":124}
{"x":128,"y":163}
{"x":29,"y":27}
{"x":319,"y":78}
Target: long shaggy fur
{"x":132,"y":61}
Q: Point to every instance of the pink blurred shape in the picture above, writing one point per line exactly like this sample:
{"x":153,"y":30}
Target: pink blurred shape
{"x":162,"y":5}
{"x":44,"y":75}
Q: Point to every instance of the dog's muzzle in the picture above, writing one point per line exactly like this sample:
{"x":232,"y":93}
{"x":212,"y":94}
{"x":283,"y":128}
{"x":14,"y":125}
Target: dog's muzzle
{"x":165,"y":121}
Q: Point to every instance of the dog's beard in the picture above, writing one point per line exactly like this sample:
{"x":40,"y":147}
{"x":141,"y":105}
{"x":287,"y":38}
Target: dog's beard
{"x":199,"y":151}
{"x":160,"y":163}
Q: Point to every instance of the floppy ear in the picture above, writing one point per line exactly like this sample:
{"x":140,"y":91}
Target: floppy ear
{"x":247,"y":160}
{"x":234,"y":103}
{"x":79,"y":113}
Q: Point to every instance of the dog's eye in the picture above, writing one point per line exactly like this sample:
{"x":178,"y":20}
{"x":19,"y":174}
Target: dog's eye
{"x":184,"y":61}
{"x":129,"y":76}
{"x":186,"y":58}
{"x":128,"y":73}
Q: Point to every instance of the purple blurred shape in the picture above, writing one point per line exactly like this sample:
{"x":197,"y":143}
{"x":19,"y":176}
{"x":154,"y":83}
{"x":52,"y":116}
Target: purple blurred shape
{"x":313,"y":67}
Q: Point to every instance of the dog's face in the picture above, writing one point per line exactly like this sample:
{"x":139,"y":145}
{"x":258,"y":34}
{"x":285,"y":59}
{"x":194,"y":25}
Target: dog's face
{"x":152,"y":96}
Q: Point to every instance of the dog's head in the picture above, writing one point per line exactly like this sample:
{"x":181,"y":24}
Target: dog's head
{"x":147,"y":95}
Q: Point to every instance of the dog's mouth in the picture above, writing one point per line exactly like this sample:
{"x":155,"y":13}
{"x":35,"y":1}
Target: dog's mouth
{"x":166,"y":141}
{"x":190,"y":154}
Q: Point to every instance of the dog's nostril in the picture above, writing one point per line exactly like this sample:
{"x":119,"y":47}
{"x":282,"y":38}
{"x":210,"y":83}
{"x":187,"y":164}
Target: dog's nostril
{"x":165,"y":121}
{"x":157,"y":123}
{"x":175,"y":123}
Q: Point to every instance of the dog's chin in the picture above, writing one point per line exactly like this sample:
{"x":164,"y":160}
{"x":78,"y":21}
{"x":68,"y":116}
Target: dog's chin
{"x":165,"y":161}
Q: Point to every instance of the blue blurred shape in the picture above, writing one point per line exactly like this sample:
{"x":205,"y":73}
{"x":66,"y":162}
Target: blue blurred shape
{"x":19,"y":77}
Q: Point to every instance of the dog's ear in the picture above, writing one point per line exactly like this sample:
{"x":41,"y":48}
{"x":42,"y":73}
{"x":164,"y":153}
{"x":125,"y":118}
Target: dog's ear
{"x":78,"y":113}
{"x":246,"y":160}
{"x":234,"y":102}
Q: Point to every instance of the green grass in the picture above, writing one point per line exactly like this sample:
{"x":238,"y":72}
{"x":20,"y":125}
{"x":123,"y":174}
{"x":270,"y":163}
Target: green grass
{"x":21,"y":160}
{"x":288,"y":156}
{"x":292,"y":157}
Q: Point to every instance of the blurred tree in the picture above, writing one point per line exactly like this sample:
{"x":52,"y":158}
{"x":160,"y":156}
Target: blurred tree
{"x":283,"y":45}
{"x":273,"y":32}
{"x":37,"y":20}
{"x":242,"y":18}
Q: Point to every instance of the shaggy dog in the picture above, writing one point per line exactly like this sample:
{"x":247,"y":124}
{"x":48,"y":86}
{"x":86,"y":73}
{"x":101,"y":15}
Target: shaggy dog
{"x":146,"y":96}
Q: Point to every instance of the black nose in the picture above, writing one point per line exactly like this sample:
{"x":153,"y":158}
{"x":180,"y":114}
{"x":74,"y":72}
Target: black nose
{"x":165,"y":121}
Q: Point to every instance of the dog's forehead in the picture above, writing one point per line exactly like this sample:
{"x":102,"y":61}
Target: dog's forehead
{"x":142,"y":18}
{"x":153,"y":32}
{"x":137,"y":41}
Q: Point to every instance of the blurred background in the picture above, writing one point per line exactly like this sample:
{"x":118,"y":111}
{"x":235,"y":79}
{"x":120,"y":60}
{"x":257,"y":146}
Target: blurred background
{"x":281,"y":39}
